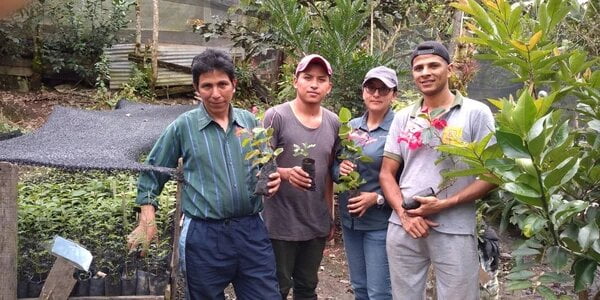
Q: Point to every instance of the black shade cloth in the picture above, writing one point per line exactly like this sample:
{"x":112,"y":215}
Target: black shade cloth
{"x":76,"y":139}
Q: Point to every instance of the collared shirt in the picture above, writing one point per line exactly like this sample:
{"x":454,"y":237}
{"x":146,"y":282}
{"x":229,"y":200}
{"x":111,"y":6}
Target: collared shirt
{"x":467,"y":121}
{"x":219,"y":182}
{"x":376,"y":217}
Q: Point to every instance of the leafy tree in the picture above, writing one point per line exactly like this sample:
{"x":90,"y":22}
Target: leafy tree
{"x":65,"y":36}
{"x":546,"y":161}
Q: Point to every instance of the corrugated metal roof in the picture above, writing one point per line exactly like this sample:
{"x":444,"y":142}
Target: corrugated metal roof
{"x":120,"y":66}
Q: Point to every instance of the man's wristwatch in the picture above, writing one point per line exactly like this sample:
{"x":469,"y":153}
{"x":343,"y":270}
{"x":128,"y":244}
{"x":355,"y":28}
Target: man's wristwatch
{"x":380,"y":200}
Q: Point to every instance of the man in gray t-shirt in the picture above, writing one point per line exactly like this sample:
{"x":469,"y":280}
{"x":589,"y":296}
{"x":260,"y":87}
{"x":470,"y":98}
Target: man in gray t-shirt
{"x":299,"y":221}
{"x":442,"y":230}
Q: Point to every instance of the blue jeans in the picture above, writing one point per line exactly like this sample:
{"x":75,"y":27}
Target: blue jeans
{"x":368,"y":264}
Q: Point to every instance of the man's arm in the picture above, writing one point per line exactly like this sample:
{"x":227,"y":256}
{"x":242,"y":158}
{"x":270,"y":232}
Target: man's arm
{"x":166,"y":153}
{"x":416,"y":226}
{"x":432,"y":205}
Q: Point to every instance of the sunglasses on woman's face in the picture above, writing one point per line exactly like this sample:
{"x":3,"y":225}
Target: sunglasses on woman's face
{"x":383,"y":91}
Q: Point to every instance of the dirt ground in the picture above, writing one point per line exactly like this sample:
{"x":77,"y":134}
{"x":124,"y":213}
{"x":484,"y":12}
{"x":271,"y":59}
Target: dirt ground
{"x":31,"y":110}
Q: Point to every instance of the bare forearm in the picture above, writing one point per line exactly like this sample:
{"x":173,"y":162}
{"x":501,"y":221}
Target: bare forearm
{"x":476,"y":190}
{"x":391,"y":191}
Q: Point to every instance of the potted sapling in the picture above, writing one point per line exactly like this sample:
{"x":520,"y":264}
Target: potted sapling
{"x":351,"y":142}
{"x":308,"y":164}
{"x":262,"y":155}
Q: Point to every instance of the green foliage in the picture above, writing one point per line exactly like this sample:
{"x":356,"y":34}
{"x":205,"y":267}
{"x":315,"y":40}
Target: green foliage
{"x":303,"y":150}
{"x":93,"y":209}
{"x":547,"y":164}
{"x":260,"y":142}
{"x":137,"y":88}
{"x":336,"y":29}
{"x":75,"y":37}
{"x":351,"y":143}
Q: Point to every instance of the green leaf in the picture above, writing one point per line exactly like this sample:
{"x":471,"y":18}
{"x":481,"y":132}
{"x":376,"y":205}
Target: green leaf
{"x":512,"y":145}
{"x":277,"y":151}
{"x":520,"y":275}
{"x":562,"y":173}
{"x":537,"y":136}
{"x":521,"y":189}
{"x":365,"y":159}
{"x":458,"y":150}
{"x":535,"y":201}
{"x":588,"y":235}
{"x":527,"y":165}
{"x":565,"y":211}
{"x":518,"y":285}
{"x":546,"y":292}
{"x":525,"y":251}
{"x":556,"y":257}
{"x":552,"y":277}
{"x":569,"y":237}
{"x":481,"y":145}
{"x":463,"y":172}
{"x":492,"y":152}
{"x":532,"y":225}
{"x":524,"y":113}
{"x":345,"y":115}
{"x":584,"y":270}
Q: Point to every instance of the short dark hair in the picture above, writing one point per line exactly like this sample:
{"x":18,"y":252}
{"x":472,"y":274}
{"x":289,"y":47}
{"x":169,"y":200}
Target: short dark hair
{"x":211,"y":60}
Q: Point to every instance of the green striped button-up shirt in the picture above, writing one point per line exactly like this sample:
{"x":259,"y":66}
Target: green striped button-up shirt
{"x":219,"y":182}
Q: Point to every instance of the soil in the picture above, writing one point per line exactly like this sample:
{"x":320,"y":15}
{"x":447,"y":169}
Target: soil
{"x":31,"y":110}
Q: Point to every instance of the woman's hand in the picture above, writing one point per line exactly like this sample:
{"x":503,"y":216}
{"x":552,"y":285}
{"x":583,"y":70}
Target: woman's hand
{"x":346,"y":167}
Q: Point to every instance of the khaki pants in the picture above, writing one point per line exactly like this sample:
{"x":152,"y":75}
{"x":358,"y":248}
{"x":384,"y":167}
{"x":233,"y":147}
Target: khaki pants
{"x":454,"y":258}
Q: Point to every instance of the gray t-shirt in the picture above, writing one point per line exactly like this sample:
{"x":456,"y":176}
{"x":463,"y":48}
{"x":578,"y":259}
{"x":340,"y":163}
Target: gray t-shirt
{"x":294,"y":214}
{"x":468,"y":121}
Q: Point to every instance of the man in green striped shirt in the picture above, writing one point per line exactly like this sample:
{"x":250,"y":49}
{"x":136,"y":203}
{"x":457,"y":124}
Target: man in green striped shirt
{"x":223,"y":239}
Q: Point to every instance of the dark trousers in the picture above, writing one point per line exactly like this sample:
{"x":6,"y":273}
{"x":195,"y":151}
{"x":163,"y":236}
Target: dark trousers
{"x":298,"y":266}
{"x":236,"y":251}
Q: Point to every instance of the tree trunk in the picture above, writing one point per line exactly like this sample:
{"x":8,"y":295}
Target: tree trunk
{"x":138,"y":27}
{"x":456,"y":32}
{"x":155,"y":27}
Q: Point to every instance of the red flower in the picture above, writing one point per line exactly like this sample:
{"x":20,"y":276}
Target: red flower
{"x":439,"y":123}
{"x":413,"y":139}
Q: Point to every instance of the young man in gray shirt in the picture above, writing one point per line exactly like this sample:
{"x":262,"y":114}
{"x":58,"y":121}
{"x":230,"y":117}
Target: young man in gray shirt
{"x":442,"y":230}
{"x":299,"y":220}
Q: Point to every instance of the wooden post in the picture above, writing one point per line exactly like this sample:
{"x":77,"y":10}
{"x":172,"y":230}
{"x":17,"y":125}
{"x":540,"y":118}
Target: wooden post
{"x":155,"y":29}
{"x":60,"y":281}
{"x":177,"y":232}
{"x":9,"y":176}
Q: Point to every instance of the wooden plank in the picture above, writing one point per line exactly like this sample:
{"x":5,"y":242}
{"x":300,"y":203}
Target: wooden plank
{"x":162,"y":64}
{"x":16,"y":71}
{"x":60,"y":281}
{"x":148,"y":297}
{"x":9,"y":177}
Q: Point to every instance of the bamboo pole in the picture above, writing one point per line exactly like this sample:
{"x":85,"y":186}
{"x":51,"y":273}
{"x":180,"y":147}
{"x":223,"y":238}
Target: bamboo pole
{"x":138,"y":27}
{"x":9,"y":177}
{"x":176,"y":231}
{"x":155,"y":28}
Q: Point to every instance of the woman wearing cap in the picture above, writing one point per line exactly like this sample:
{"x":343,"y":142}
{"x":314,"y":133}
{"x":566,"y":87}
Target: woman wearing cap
{"x":365,"y":217}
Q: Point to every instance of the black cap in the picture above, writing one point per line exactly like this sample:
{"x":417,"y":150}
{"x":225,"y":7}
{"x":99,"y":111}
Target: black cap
{"x":430,"y":47}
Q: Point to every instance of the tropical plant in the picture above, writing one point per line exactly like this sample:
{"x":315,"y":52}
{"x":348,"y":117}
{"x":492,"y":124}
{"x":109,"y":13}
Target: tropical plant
{"x":260,"y":142}
{"x":351,"y":142}
{"x":93,"y":209}
{"x":336,"y":29}
{"x":302,"y":150}
{"x":548,"y":165}
{"x":80,"y":30}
